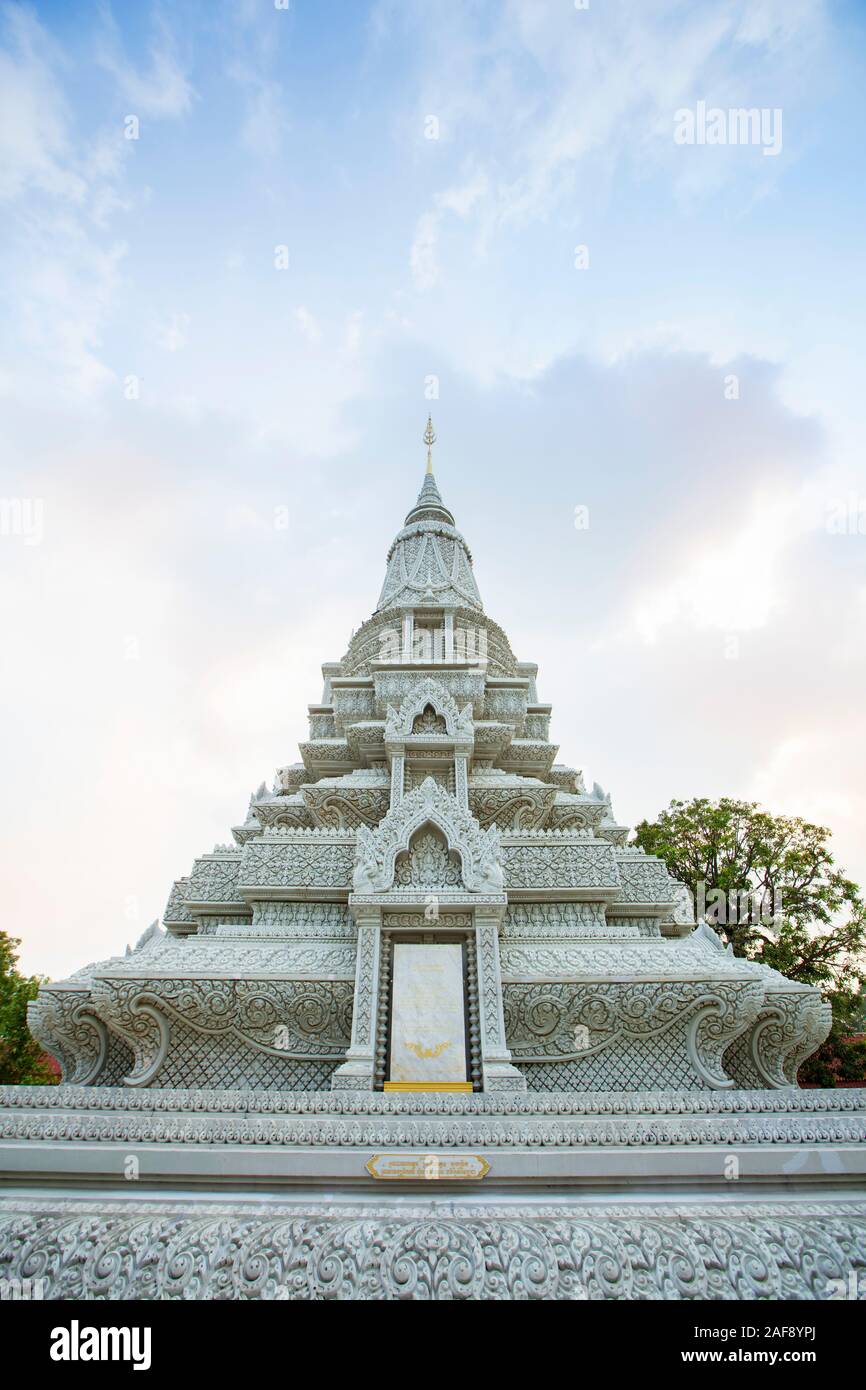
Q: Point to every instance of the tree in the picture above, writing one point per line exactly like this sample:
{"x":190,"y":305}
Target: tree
{"x":22,"y":1060}
{"x":770,"y":887}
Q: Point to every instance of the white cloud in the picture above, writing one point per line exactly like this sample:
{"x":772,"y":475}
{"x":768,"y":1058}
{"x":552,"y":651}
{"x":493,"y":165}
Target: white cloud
{"x":730,"y":576}
{"x":160,"y":90}
{"x":537,"y":89}
{"x":57,"y":253}
{"x":460,"y":200}
{"x":266,"y":119}
{"x":35,"y":148}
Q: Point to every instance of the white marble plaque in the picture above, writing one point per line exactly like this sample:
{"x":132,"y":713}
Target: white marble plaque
{"x":428,"y":1034}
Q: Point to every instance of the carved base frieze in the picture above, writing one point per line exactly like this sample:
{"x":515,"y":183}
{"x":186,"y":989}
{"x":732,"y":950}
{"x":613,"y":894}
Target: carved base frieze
{"x":430,"y":1251}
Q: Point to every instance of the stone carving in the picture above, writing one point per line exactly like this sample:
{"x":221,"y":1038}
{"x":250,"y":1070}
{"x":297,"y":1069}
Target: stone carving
{"x":299,"y":919}
{"x":519,"y":807}
{"x":789,"y":1027}
{"x":301,"y":859}
{"x":214,"y":879}
{"x":353,"y":703}
{"x":552,"y":864}
{"x":792,"y":1115}
{"x":322,"y":726}
{"x":427,"y":863}
{"x":645,"y":879}
{"x":296,"y":1019}
{"x":505,"y":704}
{"x":444,"y":717}
{"x":569,"y":1022}
{"x":479,"y":851}
{"x":429,"y":722}
{"x":392,"y":921}
{"x":344,"y":807}
{"x":553,"y":921}
{"x":491,"y":995}
{"x":394,"y":687}
{"x":176,"y":911}
{"x":63,"y":1021}
{"x":429,"y":561}
{"x":366,"y":984}
{"x":375,"y":1252}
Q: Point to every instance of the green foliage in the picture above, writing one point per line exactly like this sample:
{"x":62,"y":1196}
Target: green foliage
{"x":773,"y":892}
{"x":22,"y":1061}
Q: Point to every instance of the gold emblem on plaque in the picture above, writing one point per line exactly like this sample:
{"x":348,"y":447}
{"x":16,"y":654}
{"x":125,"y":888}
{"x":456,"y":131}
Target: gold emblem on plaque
{"x":421,"y":1051}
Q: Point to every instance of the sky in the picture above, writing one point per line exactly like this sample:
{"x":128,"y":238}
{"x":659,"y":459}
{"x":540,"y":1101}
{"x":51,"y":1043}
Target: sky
{"x":246,"y":247}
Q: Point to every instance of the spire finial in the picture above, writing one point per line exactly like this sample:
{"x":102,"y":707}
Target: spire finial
{"x":429,"y":440}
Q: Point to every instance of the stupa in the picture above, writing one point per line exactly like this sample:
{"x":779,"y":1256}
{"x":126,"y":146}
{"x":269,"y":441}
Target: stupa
{"x":428,"y":1026}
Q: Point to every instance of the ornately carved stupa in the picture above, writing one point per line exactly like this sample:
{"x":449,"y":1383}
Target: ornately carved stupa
{"x":430,"y":955}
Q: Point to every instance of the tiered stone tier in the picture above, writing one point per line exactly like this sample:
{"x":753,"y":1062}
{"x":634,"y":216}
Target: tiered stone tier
{"x":428,"y":799}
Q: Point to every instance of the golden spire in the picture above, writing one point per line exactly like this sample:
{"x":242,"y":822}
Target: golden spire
{"x":429,"y":440}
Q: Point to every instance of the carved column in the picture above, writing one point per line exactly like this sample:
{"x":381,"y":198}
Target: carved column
{"x":498,"y":1074}
{"x":449,"y":635}
{"x":461,"y":780}
{"x":357,"y":1072}
{"x":397,"y":764}
{"x":408,"y":636}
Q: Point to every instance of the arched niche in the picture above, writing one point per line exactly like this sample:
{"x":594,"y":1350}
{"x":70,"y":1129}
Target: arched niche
{"x":428,"y":862}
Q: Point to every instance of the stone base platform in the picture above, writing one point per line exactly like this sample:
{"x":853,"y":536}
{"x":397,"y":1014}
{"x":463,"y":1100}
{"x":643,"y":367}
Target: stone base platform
{"x":119,"y":1193}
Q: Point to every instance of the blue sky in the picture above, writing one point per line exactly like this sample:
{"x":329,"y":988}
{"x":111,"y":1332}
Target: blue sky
{"x":166,"y":390}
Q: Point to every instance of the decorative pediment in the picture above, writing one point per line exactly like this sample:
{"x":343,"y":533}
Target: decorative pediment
{"x":414,"y":715}
{"x":479,"y":851}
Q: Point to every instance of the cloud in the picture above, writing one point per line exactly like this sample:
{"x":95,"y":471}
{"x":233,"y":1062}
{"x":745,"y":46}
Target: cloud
{"x":35,"y":149}
{"x":730,"y":577}
{"x":58,"y":253}
{"x":251,"y":34}
{"x":544,"y":94}
{"x":265,"y":120}
{"x":422,"y":256}
{"x":459,"y":200}
{"x":161,"y":89}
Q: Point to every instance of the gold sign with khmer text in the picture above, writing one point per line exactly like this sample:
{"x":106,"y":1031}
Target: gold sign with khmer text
{"x":428,"y":1167}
